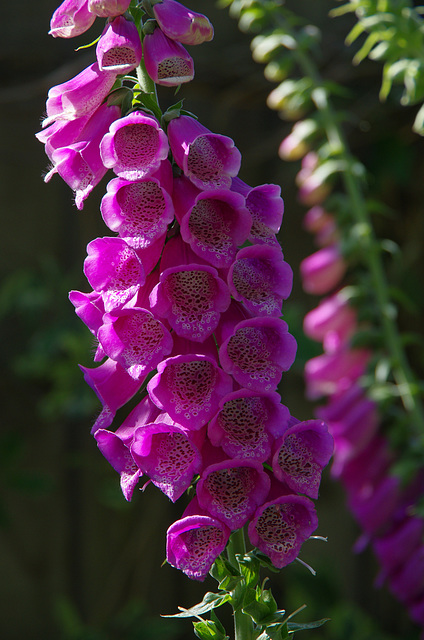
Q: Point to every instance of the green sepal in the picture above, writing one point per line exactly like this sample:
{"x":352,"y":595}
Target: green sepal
{"x":225,"y":574}
{"x":209,"y":602}
{"x":261,"y":606}
{"x":208,"y":630}
{"x":147,"y":102}
{"x":264,"y":561}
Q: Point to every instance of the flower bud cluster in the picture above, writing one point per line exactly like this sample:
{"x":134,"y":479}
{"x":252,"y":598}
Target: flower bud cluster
{"x":363,"y":459}
{"x":186,"y":304}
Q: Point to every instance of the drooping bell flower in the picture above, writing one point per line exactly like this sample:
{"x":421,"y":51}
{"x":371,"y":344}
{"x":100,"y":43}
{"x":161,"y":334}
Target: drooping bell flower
{"x":280,"y":527}
{"x":119,"y":48}
{"x":194,"y":542}
{"x":208,"y":159}
{"x":167,"y":62}
{"x":191,"y":296}
{"x":90,"y":308}
{"x":113,"y":386}
{"x":169,"y":454}
{"x":407,"y":583}
{"x":134,"y":338}
{"x":261,"y":279}
{"x":393,"y":549}
{"x":246,"y":424}
{"x":189,"y":388}
{"x":332,"y":322}
{"x":140,"y":211}
{"x":300,"y":455}
{"x":80,"y":164}
{"x":312,"y":181}
{"x":108,"y":8}
{"x":61,"y":133}
{"x":115,"y":446}
{"x":374,"y":504}
{"x":323,"y":270}
{"x":266,"y":207}
{"x":182,"y":24}
{"x":232,"y":490}
{"x":258,"y":352}
{"x":114,"y":270}
{"x":134,"y":147}
{"x":332,"y":373}
{"x":71,"y":18}
{"x":214,"y":222}
{"x":79,"y":96}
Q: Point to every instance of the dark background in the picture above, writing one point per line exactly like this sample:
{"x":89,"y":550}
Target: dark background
{"x":76,"y":561}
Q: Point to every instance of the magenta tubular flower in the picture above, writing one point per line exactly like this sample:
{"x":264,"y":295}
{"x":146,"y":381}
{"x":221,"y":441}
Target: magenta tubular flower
{"x":80,"y":164}
{"x":113,"y":386}
{"x":61,"y":133}
{"x":194,"y":542}
{"x":300,"y":455}
{"x":246,"y":424}
{"x":190,"y":296}
{"x":408,"y":582}
{"x":208,"y":159}
{"x":140,"y":211}
{"x":258,"y":352}
{"x":134,"y":147}
{"x":114,"y":270}
{"x":281,"y":526}
{"x":134,"y":338}
{"x":119,"y":456}
{"x":374,"y":505}
{"x":167,"y":62}
{"x":168,"y":454}
{"x":332,"y":322}
{"x":323,"y":270}
{"x":393,"y":549}
{"x":266,"y":207}
{"x":119,"y":48}
{"x":189,"y":388}
{"x":232,"y":490}
{"x":79,"y":96}
{"x":108,"y":8}
{"x":333,"y":373}
{"x":182,"y":24}
{"x":261,"y":279}
{"x":213,"y":222}
{"x":89,"y":308}
{"x":71,"y":18}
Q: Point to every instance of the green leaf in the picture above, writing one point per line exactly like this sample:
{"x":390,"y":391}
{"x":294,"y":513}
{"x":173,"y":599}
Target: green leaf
{"x":226,"y":575}
{"x":210,"y":601}
{"x":295,"y":626}
{"x":249,"y":566}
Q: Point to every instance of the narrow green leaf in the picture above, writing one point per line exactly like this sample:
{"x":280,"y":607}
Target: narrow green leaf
{"x":210,"y":601}
{"x":295,"y":626}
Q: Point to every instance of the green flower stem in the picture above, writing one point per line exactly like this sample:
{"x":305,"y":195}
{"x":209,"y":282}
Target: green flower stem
{"x":146,"y":83}
{"x":402,"y":373}
{"x":243,"y":623}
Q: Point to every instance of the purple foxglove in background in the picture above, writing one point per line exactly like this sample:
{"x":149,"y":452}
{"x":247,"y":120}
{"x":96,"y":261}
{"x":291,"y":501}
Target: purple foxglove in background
{"x":323,"y":270}
{"x":169,"y":454}
{"x":246,"y":424}
{"x":119,"y":48}
{"x":80,"y":164}
{"x":266,"y":207}
{"x":258,"y":352}
{"x":374,"y":505}
{"x":113,"y":269}
{"x":182,"y":24}
{"x":208,"y":159}
{"x":261,"y":279}
{"x":79,"y":96}
{"x":108,"y":8}
{"x":134,"y":338}
{"x":300,"y":455}
{"x":213,"y":222}
{"x":280,"y":527}
{"x":332,"y":373}
{"x":140,"y":211}
{"x":71,"y":18}
{"x":393,"y":548}
{"x":189,"y":388}
{"x":194,"y":542}
{"x":332,"y":322}
{"x":232,"y":490}
{"x":134,"y":147}
{"x":167,"y":62}
{"x":113,"y":386}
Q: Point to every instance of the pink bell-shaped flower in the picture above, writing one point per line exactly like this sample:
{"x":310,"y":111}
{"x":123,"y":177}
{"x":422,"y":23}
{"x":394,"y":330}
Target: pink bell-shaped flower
{"x":167,"y":61}
{"x":208,"y":159}
{"x":71,"y":18}
{"x":108,"y":8}
{"x":266,"y":207}
{"x":134,"y":147}
{"x":119,"y":48}
{"x":181,"y":24}
{"x":323,"y":270}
